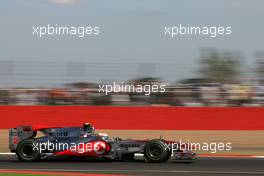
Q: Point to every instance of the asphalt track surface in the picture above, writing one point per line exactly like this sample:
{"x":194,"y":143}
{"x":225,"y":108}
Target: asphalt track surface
{"x":202,"y":166}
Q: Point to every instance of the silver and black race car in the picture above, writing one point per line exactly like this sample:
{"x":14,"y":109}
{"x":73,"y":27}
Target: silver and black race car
{"x":31,"y":143}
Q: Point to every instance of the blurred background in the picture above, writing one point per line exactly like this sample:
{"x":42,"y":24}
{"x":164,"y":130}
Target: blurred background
{"x":221,"y":79}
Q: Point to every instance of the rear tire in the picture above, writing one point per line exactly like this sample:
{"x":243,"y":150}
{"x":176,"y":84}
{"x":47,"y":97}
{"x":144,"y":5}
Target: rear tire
{"x":156,"y":152}
{"x":26,"y":152}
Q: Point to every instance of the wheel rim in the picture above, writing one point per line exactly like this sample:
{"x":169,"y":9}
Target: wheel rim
{"x":28,"y":151}
{"x":155,"y":151}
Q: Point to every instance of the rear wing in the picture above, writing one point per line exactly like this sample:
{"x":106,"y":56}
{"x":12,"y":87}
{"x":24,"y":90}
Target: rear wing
{"x":18,"y":134}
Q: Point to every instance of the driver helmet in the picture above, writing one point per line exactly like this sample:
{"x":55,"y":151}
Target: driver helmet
{"x":87,"y":127}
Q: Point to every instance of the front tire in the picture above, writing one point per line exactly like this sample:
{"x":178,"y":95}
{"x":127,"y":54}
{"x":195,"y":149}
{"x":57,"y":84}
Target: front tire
{"x":26,"y":152}
{"x":168,"y":156}
{"x":156,"y":151}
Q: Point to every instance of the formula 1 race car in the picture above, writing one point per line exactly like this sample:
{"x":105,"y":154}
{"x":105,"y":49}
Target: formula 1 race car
{"x":29,"y":145}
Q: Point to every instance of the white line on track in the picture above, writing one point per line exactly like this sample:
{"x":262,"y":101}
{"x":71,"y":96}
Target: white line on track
{"x":7,"y":153}
{"x":146,"y":171}
{"x":258,"y":156}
